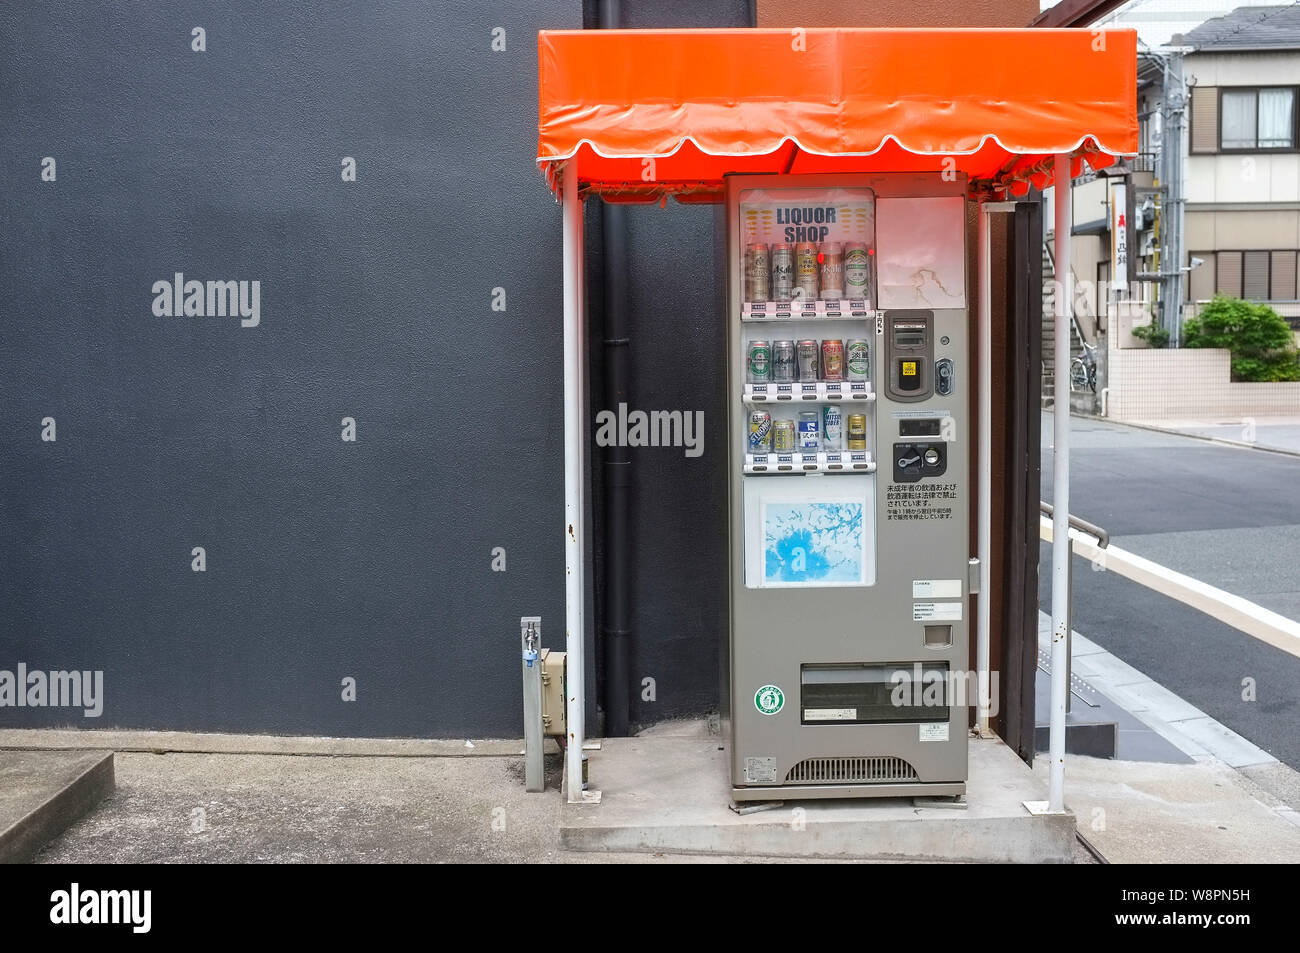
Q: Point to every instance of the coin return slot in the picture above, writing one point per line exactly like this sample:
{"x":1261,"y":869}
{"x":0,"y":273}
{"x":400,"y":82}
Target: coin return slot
{"x":938,"y":636}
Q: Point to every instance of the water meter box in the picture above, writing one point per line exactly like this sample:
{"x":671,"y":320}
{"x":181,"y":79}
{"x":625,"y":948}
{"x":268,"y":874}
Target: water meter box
{"x":554,"y":708}
{"x":849,"y":488}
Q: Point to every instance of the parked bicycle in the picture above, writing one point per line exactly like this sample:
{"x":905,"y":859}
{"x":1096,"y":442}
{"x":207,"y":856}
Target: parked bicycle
{"x":1083,"y":370}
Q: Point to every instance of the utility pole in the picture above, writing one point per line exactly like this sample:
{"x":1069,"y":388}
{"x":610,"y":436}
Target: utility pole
{"x":1173,"y":165}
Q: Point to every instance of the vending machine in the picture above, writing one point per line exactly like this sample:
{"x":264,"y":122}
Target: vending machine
{"x":848,"y":375}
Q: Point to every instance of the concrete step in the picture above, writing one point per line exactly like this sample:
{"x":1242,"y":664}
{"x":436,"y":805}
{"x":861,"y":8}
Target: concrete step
{"x":43,"y":793}
{"x":1096,"y":740}
{"x":667,"y":795}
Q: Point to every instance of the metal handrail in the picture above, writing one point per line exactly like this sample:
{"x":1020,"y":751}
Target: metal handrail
{"x":1083,"y":526}
{"x":1103,"y":540}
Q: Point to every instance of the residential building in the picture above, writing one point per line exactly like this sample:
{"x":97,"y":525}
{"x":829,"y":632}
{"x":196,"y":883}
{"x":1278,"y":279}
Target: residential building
{"x":1239,"y":181}
{"x":1243,"y":159}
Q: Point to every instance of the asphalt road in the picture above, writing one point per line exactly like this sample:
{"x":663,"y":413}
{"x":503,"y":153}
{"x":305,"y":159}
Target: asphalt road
{"x":1227,"y":516}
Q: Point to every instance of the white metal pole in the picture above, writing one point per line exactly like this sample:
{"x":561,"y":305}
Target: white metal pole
{"x":985,"y":517}
{"x":574,"y":437}
{"x":1060,"y":490}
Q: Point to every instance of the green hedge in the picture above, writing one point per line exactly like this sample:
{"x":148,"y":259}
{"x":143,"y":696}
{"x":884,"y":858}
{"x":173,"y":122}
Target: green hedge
{"x":1262,"y":343}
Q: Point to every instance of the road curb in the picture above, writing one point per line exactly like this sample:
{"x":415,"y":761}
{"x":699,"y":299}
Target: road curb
{"x":191,"y":742}
{"x":56,"y":790}
{"x":1236,"y":444}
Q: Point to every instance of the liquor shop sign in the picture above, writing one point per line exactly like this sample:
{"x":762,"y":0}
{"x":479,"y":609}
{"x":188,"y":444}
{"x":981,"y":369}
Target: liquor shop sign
{"x":805,"y":223}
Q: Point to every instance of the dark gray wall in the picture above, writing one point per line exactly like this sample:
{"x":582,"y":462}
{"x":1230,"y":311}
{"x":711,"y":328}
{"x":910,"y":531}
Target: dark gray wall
{"x":325,"y":559}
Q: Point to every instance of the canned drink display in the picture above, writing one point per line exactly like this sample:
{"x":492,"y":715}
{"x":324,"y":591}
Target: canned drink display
{"x":857,"y":270}
{"x":809,"y":431}
{"x":809,"y":360}
{"x":760,"y":432}
{"x":760,"y":362}
{"x":857,"y":431}
{"x":757,"y":267}
{"x":782,"y":283}
{"x":784,"y":367}
{"x":857,"y":356}
{"x":805,"y":270}
{"x":832,"y":360}
{"x":832,"y":428}
{"x":783,"y":436}
{"x":831,"y":273}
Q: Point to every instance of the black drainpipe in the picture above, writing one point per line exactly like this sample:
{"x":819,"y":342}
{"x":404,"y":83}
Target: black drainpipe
{"x":618,"y":464}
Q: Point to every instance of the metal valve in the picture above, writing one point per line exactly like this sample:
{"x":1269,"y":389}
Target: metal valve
{"x":530,"y":644}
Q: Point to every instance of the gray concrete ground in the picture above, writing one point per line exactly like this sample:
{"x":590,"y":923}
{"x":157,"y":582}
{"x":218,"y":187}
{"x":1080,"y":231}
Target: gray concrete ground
{"x":187,"y":807}
{"x":1226,"y":515}
{"x":261,"y":808}
{"x":1202,"y":813}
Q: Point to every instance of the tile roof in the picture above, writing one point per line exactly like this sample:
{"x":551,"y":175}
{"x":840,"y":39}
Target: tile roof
{"x":1247,"y":28}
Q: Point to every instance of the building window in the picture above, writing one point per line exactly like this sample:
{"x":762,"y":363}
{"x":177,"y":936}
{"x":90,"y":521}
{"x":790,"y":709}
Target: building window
{"x":1257,"y":119}
{"x":1252,"y":275}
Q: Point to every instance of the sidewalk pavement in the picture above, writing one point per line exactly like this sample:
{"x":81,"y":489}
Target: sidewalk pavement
{"x":1279,"y":434}
{"x":1228,"y":801}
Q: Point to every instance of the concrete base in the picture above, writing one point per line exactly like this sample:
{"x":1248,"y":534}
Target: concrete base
{"x":671,"y":795}
{"x":43,"y":793}
{"x":1085,"y":402}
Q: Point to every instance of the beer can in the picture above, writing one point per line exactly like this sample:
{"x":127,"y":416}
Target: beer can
{"x":857,"y":431}
{"x":760,"y":432}
{"x":757,"y":267}
{"x":831,"y":262}
{"x":760,"y":362}
{"x":783,"y":436}
{"x":832,"y":360}
{"x":832,"y":427}
{"x":857,"y":355}
{"x":809,"y":431}
{"x":857,"y":271}
{"x":783,"y":361}
{"x":805,"y":271}
{"x":782,"y":283}
{"x":809,"y":360}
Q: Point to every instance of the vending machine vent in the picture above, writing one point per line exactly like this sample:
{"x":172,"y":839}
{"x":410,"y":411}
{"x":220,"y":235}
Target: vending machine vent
{"x":850,"y":771}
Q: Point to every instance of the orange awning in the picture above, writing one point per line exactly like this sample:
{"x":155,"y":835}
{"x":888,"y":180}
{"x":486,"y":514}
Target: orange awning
{"x":646,"y":113}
